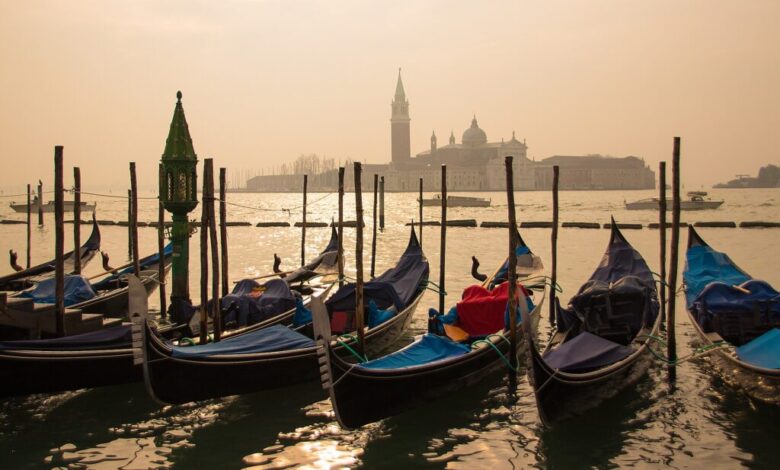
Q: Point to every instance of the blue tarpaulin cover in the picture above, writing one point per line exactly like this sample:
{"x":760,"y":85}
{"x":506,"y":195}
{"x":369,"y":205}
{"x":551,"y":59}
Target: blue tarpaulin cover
{"x":273,"y":338}
{"x":252,"y":305}
{"x":77,"y":290}
{"x":302,"y":314}
{"x":719,"y":297}
{"x":704,"y":265}
{"x":395,"y":287}
{"x":377,"y":316}
{"x":585,"y":351}
{"x":763,"y":351}
{"x":144,"y":263}
{"x":429,"y":348}
{"x":117,"y":337}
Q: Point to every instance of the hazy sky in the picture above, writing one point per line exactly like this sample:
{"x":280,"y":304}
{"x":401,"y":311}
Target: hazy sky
{"x":265,"y":81}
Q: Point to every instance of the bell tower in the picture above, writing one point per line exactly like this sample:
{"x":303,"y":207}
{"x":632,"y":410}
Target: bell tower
{"x":400,"y":145}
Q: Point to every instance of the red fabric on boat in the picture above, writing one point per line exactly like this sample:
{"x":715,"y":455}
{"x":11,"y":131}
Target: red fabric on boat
{"x":481,"y":312}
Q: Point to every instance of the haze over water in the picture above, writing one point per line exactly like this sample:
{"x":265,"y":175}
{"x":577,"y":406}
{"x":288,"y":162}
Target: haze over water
{"x":700,"y":423}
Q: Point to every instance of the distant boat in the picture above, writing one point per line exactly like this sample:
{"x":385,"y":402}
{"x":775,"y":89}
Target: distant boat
{"x":457,"y":201}
{"x":68,"y":206}
{"x":696,"y":201}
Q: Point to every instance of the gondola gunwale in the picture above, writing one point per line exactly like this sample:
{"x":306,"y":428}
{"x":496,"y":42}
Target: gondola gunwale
{"x":541,"y":370}
{"x":727,"y":352}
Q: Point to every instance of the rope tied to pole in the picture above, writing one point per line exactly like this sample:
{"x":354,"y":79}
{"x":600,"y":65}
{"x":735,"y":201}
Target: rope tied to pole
{"x":350,"y":337}
{"x":696,"y":353}
{"x":503,"y":358}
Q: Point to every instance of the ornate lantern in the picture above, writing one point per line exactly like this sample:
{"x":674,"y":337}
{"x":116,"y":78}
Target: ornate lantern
{"x":178,"y":193}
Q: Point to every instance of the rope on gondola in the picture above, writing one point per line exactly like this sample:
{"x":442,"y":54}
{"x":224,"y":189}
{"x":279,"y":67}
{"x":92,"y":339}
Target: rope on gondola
{"x":426,"y":285}
{"x":506,"y":362}
{"x":349,"y":348}
{"x":698,"y":352}
{"x":547,"y":281}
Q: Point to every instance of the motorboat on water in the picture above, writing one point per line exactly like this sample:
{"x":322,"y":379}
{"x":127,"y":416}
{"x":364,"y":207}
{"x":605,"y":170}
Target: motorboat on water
{"x":697,"y":200}
{"x":457,"y":201}
{"x":48,"y":207}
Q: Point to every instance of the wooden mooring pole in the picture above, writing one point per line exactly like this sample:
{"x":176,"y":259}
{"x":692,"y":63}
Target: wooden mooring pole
{"x":161,"y":253}
{"x":662,"y":230}
{"x":59,"y":244}
{"x":303,"y":226}
{"x":359,"y":307}
{"x":129,"y":224}
{"x":421,"y":210}
{"x":40,"y":203}
{"x":134,"y":220}
{"x":29,"y":227}
{"x":382,"y":203}
{"x":215,"y":273}
{"x":443,"y":246}
{"x":341,"y":227}
{"x":670,"y":327}
{"x":373,"y":235}
{"x":77,"y":218}
{"x":554,"y":245}
{"x":204,"y":257}
{"x":512,"y":266}
{"x":223,"y":242}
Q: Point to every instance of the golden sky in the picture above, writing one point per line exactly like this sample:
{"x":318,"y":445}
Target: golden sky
{"x":266,"y":80}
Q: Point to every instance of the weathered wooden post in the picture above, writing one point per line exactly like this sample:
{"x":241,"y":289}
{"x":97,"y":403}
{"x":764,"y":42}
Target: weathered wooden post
{"x":40,"y":203}
{"x":359,"y":307}
{"x":373,"y":236}
{"x":134,"y":220}
{"x":382,"y":203}
{"x":178,"y":193}
{"x":204,"y":256}
{"x":130,"y":224}
{"x":161,"y":251}
{"x":77,"y":219}
{"x":662,"y":229}
{"x":554,"y":244}
{"x":421,"y":210}
{"x":512,"y":265}
{"x":223,"y":229}
{"x":443,"y":246}
{"x":215,"y":277}
{"x":341,"y":226}
{"x":59,"y":244}
{"x":29,"y":227}
{"x":670,"y":329}
{"x":303,"y":226}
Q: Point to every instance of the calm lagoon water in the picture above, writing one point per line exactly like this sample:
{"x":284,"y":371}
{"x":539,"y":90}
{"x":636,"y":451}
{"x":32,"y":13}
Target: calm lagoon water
{"x":697,"y":422}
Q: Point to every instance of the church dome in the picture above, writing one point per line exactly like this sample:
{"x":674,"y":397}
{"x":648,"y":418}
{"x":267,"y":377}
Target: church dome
{"x":474,"y":135}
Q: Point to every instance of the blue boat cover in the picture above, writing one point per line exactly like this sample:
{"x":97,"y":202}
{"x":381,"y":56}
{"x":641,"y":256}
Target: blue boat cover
{"x":377,"y":316}
{"x":425,"y":350}
{"x":719,"y":297}
{"x":704,"y":265}
{"x":302,"y":314}
{"x":77,"y":290}
{"x":620,"y":261}
{"x":273,"y":338}
{"x":144,"y":263}
{"x":395,"y":287}
{"x":763,"y":351}
{"x":248,"y":304}
{"x":585,"y":351}
{"x":501,"y":276}
{"x":116,"y":338}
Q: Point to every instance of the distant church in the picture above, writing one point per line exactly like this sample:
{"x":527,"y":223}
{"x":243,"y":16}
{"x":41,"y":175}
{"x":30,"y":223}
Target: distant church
{"x":474,"y":164}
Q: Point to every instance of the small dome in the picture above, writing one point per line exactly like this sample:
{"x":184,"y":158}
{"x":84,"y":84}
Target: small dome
{"x":474,"y":135}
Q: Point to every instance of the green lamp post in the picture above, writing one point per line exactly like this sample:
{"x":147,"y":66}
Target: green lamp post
{"x":178,"y":193}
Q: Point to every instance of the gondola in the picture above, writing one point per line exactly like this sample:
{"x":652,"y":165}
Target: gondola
{"x":99,"y":358}
{"x":600,"y":344}
{"x":434,"y":364}
{"x":27,"y":277}
{"x":108,"y":295}
{"x":735,"y":315}
{"x":278,"y":356}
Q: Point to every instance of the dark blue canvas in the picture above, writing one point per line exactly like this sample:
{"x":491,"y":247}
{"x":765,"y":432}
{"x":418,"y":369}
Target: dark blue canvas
{"x":115,"y":338}
{"x":77,"y":290}
{"x":395,"y":287}
{"x":719,"y":297}
{"x":763,"y":351}
{"x":273,"y":338}
{"x":245,"y":308}
{"x":586,"y":351}
{"x":429,"y":348}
